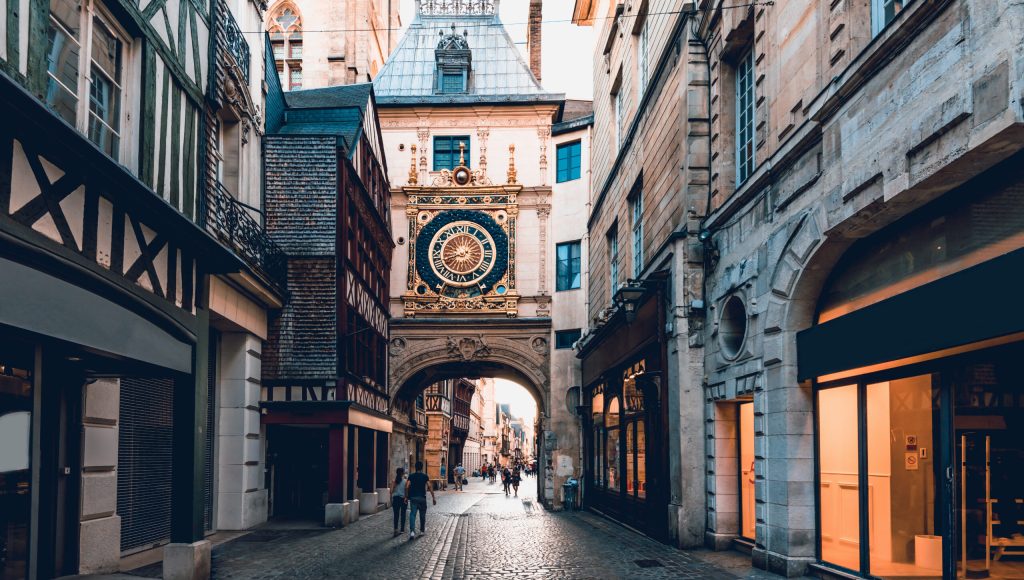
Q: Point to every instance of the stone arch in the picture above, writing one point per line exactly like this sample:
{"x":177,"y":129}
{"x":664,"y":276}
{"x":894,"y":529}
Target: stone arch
{"x":423,"y":352}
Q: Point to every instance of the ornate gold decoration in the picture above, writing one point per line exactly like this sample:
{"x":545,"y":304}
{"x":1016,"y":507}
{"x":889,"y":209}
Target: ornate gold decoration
{"x":412,"y":166}
{"x":511,"y":177}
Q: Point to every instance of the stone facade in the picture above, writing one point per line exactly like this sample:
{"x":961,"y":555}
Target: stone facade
{"x":347,"y":42}
{"x":650,"y":144}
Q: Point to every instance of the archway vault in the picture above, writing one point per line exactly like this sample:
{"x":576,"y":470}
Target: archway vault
{"x":423,"y":351}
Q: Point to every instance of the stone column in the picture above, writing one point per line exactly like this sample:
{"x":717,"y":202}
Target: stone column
{"x":241,"y":498}
{"x":99,"y":548}
{"x":723,"y":482}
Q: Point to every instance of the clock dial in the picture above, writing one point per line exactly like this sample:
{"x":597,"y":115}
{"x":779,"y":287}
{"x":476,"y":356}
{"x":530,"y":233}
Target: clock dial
{"x":462,"y":253}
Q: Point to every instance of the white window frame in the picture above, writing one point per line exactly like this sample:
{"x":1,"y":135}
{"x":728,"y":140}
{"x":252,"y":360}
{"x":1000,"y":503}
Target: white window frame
{"x":878,"y":21}
{"x":637,"y":211}
{"x":745,"y":129}
{"x":643,"y":67}
{"x":89,"y":10}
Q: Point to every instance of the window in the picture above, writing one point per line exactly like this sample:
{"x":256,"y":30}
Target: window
{"x":566,"y":338}
{"x":637,"y":211}
{"x":883,"y":12}
{"x":447,"y":151}
{"x":568,"y":162}
{"x":617,"y":98}
{"x":613,"y":260}
{"x":285,"y":29}
{"x":453,"y":82}
{"x":86,"y":87}
{"x":567,"y":276}
{"x":745,"y":117}
{"x":643,"y":67}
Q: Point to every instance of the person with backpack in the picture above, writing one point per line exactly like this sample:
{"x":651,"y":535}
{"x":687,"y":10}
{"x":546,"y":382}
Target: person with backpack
{"x":506,"y":479}
{"x":416,"y":488}
{"x":398,"y":503}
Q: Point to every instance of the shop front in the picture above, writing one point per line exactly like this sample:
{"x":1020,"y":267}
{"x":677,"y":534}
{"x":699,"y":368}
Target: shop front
{"x":916,"y":368}
{"x":625,"y":441}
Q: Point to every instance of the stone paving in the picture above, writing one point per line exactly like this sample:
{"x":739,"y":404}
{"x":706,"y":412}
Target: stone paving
{"x":478,"y":534}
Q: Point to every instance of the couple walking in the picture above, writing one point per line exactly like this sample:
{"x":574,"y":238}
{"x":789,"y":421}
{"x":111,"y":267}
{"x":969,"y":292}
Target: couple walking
{"x":410,"y":490}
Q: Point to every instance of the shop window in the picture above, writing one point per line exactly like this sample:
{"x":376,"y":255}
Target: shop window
{"x":611,"y":473}
{"x":567,"y":275}
{"x":896,"y":493}
{"x":883,"y":12}
{"x":450,"y":150}
{"x":16,"y":406}
{"x":745,"y":131}
{"x":86,"y":58}
{"x":597,"y":422}
{"x":633,"y":427}
{"x":566,"y":338}
{"x":569,"y":162}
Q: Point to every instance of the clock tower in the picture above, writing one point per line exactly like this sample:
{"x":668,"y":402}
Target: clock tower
{"x":462,"y":236}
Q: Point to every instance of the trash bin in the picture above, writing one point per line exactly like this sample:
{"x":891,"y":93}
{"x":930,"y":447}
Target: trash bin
{"x":570,"y":494}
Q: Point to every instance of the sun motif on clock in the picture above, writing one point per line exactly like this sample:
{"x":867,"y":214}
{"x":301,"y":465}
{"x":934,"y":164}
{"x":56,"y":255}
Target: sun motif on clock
{"x":462,"y":253}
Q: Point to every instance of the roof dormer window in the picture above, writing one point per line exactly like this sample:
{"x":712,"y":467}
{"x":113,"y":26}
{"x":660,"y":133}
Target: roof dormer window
{"x":454,"y":62}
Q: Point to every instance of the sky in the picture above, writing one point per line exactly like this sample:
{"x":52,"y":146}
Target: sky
{"x":519,"y":399}
{"x":567,"y":53}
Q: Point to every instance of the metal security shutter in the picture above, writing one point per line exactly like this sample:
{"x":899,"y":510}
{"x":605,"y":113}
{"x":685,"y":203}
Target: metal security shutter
{"x":144,"y":463}
{"x":211,"y":418}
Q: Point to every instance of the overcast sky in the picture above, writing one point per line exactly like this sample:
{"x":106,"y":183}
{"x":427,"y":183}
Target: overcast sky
{"x":520,"y":400}
{"x":568,"y":50}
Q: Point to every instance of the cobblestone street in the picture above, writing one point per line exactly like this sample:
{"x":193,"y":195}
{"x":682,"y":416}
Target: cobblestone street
{"x":478,"y":533}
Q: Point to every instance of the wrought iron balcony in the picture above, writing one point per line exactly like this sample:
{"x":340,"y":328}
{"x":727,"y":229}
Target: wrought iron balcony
{"x":229,"y":221}
{"x":237,"y":45}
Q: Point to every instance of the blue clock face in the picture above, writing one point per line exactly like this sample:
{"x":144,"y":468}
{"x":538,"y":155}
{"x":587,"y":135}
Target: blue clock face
{"x":461,"y":254}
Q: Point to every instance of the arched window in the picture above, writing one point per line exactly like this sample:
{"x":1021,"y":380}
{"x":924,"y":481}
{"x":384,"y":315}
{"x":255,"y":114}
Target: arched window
{"x":285,"y":26}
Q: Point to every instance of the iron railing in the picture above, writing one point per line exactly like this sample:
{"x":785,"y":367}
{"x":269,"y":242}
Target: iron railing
{"x":229,"y":220}
{"x":237,"y":45}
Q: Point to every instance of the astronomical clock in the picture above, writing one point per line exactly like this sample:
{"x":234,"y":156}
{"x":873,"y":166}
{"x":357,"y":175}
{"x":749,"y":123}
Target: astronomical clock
{"x":462,"y":232}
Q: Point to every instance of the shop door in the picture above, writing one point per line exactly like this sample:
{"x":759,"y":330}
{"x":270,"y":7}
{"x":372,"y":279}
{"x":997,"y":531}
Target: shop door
{"x":144,"y":463}
{"x":299,"y":456}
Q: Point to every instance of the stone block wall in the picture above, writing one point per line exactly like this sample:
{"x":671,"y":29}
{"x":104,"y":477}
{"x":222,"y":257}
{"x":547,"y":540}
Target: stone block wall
{"x":100,"y":528}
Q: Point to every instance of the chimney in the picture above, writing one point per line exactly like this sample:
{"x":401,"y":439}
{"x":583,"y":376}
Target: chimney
{"x":533,"y":37}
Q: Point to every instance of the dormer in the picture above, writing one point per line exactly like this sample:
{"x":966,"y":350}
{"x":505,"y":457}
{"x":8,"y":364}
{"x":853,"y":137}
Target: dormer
{"x":454,"y":63}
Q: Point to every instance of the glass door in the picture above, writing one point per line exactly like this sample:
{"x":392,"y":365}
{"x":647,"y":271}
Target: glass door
{"x":877,"y":477}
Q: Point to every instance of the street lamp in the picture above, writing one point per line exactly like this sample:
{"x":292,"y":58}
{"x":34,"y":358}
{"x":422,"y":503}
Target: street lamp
{"x":628,"y":297}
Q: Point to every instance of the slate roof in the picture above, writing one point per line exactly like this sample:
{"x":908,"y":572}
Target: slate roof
{"x":334,"y":111}
{"x":499,"y":73}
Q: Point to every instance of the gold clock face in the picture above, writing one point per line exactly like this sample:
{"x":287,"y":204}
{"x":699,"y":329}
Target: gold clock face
{"x":462,"y":253}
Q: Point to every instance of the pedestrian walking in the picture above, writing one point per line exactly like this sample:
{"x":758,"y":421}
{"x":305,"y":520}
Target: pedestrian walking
{"x":460,"y":474}
{"x":398,"y":503}
{"x":416,"y":488}
{"x":483,"y":473}
{"x":506,"y":479}
{"x":444,"y":477}
{"x":516,"y":478}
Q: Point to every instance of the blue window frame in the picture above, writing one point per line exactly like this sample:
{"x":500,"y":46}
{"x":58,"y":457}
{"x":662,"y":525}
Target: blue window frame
{"x":446,"y":151}
{"x":568,"y":269}
{"x":453,"y":82}
{"x":568,"y":162}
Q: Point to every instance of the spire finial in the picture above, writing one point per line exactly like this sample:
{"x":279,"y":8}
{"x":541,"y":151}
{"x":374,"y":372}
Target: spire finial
{"x":511,"y":177}
{"x":412,"y":166}
{"x":462,"y":154}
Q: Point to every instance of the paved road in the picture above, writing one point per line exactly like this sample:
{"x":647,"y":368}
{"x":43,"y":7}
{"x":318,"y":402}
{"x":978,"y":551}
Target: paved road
{"x":475,"y":534}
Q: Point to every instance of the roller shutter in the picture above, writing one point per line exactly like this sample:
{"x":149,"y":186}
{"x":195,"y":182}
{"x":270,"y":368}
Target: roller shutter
{"x":144,"y":463}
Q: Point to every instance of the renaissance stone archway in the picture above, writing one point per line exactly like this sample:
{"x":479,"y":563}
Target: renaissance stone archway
{"x":424,"y":351}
